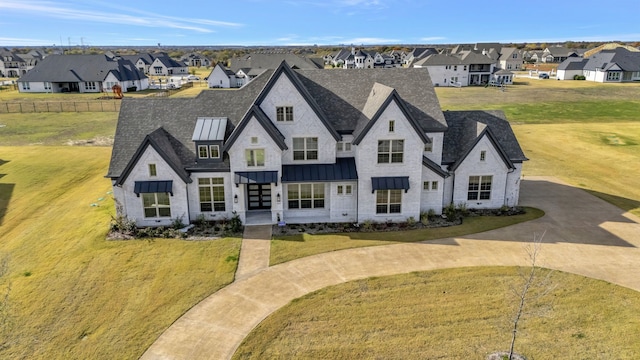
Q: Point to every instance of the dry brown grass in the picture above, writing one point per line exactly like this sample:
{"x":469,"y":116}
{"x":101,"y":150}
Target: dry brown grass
{"x":450,"y":314}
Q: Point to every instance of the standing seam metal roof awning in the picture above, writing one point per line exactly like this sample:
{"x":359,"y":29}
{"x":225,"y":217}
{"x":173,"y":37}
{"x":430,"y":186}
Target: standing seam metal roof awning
{"x":390,"y":183}
{"x":147,"y":187}
{"x":256,"y":177}
{"x":343,"y":170}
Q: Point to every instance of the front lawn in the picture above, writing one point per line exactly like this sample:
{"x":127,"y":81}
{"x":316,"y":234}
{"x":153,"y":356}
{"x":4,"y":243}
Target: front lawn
{"x":287,"y":248}
{"x":71,"y":293}
{"x":451,"y":314}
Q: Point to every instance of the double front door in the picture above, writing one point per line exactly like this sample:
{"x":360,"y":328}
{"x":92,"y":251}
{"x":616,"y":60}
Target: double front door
{"x":259,"y":196}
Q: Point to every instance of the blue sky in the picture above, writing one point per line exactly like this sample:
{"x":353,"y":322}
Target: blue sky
{"x":309,"y":22}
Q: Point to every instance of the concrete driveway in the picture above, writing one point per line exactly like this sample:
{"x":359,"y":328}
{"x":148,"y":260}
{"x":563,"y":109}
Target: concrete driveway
{"x":584,"y":235}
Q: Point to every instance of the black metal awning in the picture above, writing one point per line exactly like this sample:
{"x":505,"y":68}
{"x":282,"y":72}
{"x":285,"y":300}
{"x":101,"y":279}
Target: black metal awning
{"x":256,"y":177}
{"x":344,"y":169}
{"x":146,"y":187}
{"x":390,"y":183}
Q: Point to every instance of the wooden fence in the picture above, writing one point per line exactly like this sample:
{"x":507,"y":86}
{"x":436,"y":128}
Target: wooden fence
{"x":59,"y":106}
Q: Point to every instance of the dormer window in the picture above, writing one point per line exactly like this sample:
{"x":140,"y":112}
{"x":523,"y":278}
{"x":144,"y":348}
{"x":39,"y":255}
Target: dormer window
{"x":428,"y":147}
{"x":208,"y":137}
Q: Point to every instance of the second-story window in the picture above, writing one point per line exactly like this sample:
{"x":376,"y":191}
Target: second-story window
{"x":392,"y":125}
{"x":254,"y":157}
{"x":305,"y":148}
{"x":152,"y":170}
{"x":390,"y":151}
{"x":284,"y":113}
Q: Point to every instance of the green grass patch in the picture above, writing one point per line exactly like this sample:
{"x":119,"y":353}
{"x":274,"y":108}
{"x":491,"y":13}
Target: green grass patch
{"x":450,"y":314}
{"x":56,"y":128}
{"x":287,"y":248}
{"x":73,"y":294}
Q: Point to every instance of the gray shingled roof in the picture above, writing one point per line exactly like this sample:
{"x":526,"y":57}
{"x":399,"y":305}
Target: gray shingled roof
{"x":463,"y":132}
{"x":573,"y":63}
{"x":625,"y":59}
{"x":74,"y":68}
{"x":272,"y":61}
{"x":340,"y":95}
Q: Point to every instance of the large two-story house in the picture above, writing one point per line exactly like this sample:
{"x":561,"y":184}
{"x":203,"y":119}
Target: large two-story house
{"x":311,"y":146}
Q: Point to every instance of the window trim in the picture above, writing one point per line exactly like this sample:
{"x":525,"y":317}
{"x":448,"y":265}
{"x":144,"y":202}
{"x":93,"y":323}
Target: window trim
{"x":284,"y":114}
{"x":305,"y":151}
{"x":217,"y":150}
{"x":254,"y":157}
{"x":214,"y":183}
{"x":392,"y":126}
{"x":202,"y":148}
{"x":155,"y":206}
{"x":483,"y":155}
{"x":313,"y":201}
{"x":153,"y":170}
{"x":390,"y":153}
{"x":480,"y":188}
{"x":387,"y":201}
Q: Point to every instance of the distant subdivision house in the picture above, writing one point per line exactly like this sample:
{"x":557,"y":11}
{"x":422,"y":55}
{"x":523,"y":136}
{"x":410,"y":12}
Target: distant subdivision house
{"x":83,"y":74}
{"x":606,"y":66}
{"x":304,"y":146}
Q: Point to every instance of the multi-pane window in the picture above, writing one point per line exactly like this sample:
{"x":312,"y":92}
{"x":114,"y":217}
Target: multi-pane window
{"x":284,"y":113}
{"x":390,"y":151}
{"x":254,"y":157}
{"x":305,"y":196}
{"x":47,"y":85}
{"x":392,"y":125}
{"x":613,"y":76}
{"x":483,"y":155}
{"x":25,"y":85}
{"x":152,"y":170}
{"x":430,"y":185}
{"x":90,"y":85}
{"x":214,"y":151}
{"x":156,"y":205}
{"x":388,"y":201}
{"x":208,"y":151}
{"x":211,"y":192}
{"x":428,"y":147}
{"x":158,"y":70}
{"x":479,"y":187}
{"x":305,"y":148}
{"x":343,"y":146}
{"x":345,"y":189}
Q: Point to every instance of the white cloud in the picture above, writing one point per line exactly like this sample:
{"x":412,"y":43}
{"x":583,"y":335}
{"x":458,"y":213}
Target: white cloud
{"x":432,"y":38}
{"x":7,"y":41}
{"x":60,"y":11}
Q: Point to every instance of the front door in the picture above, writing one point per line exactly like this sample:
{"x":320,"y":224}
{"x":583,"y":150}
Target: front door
{"x":259,"y":196}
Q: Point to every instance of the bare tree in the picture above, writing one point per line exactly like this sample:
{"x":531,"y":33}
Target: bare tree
{"x":536,"y":284}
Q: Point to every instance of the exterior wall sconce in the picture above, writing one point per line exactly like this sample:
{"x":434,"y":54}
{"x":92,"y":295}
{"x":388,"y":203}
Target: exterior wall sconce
{"x":278,"y":198}
{"x":235,"y":198}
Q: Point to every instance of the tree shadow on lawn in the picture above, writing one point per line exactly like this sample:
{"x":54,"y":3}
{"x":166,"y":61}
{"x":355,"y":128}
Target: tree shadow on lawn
{"x":6,"y":191}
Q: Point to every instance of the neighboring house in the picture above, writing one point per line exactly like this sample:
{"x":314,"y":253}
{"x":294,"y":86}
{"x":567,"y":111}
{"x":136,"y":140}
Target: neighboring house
{"x":142,"y":61}
{"x":363,"y":60}
{"x":222,"y":77}
{"x":502,"y":77}
{"x":244,"y":76}
{"x":166,"y":66}
{"x":618,"y":65}
{"x":272,"y":60}
{"x":195,"y":60}
{"x":557,"y":54}
{"x":82,"y":73}
{"x":540,"y":57}
{"x":13,"y":64}
{"x":311,"y":146}
{"x":418,"y":54}
{"x":510,"y":59}
{"x":461,"y":69}
{"x":571,"y":67}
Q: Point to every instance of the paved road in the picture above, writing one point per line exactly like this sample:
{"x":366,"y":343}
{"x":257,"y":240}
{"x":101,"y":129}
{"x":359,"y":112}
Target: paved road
{"x":584,"y":235}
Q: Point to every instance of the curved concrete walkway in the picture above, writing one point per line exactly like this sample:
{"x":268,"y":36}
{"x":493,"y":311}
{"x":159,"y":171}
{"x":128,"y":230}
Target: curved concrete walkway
{"x":584,"y":235}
